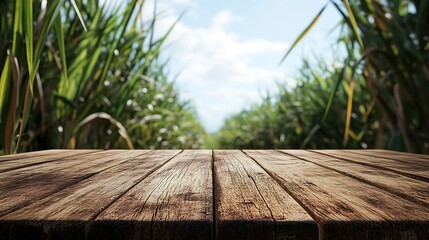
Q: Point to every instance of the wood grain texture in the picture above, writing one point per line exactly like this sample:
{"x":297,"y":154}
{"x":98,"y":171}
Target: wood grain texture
{"x":407,"y":169}
{"x":47,"y":156}
{"x":83,"y":201}
{"x":417,"y":159}
{"x":174,"y":202}
{"x":404,"y":154}
{"x":251,"y":205}
{"x":34,"y":154}
{"x":402,"y":186}
{"x":224,"y":194}
{"x":23,"y":186}
{"x":345,"y":207}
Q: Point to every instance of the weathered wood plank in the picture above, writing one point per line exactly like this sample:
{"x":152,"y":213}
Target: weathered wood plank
{"x":31,"y":154}
{"x":343,"y":206}
{"x":12,"y":164}
{"x":405,"y":187}
{"x":23,"y":186}
{"x":124,"y":194}
{"x":251,"y":205}
{"x":175,"y":202}
{"x":411,"y":170}
{"x":84,"y":200}
{"x":418,"y":159}
{"x":405,"y":154}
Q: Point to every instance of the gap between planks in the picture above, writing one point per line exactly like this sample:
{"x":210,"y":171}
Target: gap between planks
{"x":132,"y":186}
{"x":362,"y":162}
{"x":177,"y":198}
{"x":30,"y":154}
{"x":36,"y":203}
{"x":418,"y":189}
{"x":14,"y":164}
{"x":53,"y":199}
{"x":275,"y":165}
{"x":57,"y":189}
{"x":214,"y":210}
{"x":213,"y":172}
{"x":408,"y":158}
{"x":406,"y":154}
{"x":292,"y":195}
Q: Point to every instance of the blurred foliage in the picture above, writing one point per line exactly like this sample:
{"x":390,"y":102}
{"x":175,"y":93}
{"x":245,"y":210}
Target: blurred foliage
{"x":65,"y":87}
{"x":395,"y":63}
{"x":379,"y":99}
{"x":293,"y":119}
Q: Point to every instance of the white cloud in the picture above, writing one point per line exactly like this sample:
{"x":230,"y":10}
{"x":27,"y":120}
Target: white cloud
{"x":182,"y":2}
{"x":223,"y":19}
{"x":219,"y":69}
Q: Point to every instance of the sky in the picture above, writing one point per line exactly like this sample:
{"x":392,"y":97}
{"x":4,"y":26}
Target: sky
{"x":226,"y":53}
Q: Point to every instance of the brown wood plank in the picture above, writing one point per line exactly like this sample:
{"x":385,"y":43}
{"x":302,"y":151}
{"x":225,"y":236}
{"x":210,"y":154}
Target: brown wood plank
{"x":405,"y":187}
{"x":31,"y":154}
{"x":84,"y":200}
{"x":411,"y":170}
{"x":175,"y":202}
{"x":418,"y":159}
{"x":23,"y":186}
{"x":40,"y":159}
{"x":425,"y":156}
{"x":345,"y":207}
{"x":251,"y":205}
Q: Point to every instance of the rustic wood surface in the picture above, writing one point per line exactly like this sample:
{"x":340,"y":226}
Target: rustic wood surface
{"x":250,"y":204}
{"x":219,"y":194}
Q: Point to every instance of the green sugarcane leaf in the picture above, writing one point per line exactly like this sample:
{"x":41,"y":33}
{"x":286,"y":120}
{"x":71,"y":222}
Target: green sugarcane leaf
{"x":62,"y":47}
{"x":79,"y":15}
{"x":25,"y":114}
{"x":105,"y":116}
{"x":331,"y":97}
{"x":28,"y":33}
{"x":349,"y":110}
{"x":49,"y":19}
{"x":353,"y":22}
{"x":13,"y":104}
{"x":4,"y":85}
{"x":302,"y":35}
{"x":128,"y":14}
{"x":5,"y":74}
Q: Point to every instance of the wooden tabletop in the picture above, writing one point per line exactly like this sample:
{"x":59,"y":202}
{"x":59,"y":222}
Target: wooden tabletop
{"x":220,"y":194}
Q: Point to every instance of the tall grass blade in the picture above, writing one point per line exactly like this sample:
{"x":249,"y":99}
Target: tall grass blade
{"x":28,"y":99}
{"x":124,"y":24}
{"x":13,"y":104}
{"x":4,"y":85}
{"x":334,"y":91}
{"x":302,"y":35}
{"x":5,"y":75}
{"x":403,"y":126}
{"x":61,"y":45}
{"x":353,"y":22}
{"x":79,"y":15}
{"x":310,"y":136}
{"x":17,"y":25}
{"x":41,"y":102}
{"x":349,"y":110}
{"x":104,"y":116}
{"x":49,"y":19}
{"x":28,"y":33}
